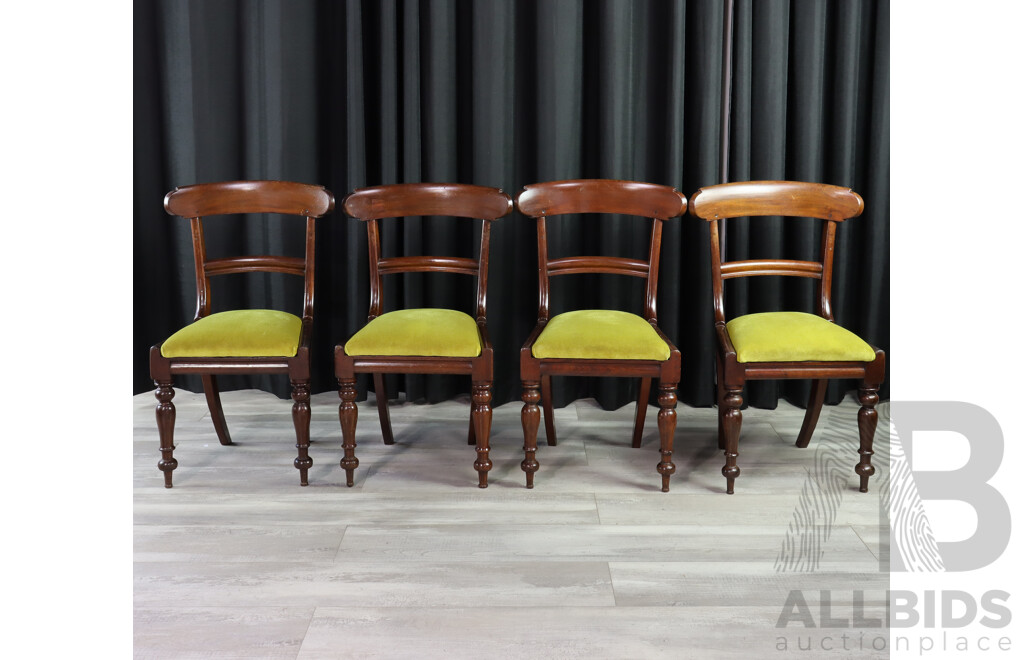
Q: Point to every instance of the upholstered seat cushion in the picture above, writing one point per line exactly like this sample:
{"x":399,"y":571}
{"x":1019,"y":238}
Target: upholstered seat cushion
{"x":600,"y":334}
{"x":237,"y":333}
{"x":794,"y":337}
{"x":418,"y":332}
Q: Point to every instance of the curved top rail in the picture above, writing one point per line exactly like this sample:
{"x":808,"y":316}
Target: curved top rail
{"x":401,"y":200}
{"x":788,"y":198}
{"x":227,"y":197}
{"x":648,"y":200}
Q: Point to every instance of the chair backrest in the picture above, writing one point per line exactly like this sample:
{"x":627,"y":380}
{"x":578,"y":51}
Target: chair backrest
{"x":234,"y":197}
{"x":776,"y":198}
{"x":403,"y":200}
{"x":647,"y":200}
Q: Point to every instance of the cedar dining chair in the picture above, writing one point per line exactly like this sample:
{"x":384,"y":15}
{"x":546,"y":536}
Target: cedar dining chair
{"x":249,"y":341}
{"x":774,"y":345}
{"x":421,"y":341}
{"x":598,"y":342}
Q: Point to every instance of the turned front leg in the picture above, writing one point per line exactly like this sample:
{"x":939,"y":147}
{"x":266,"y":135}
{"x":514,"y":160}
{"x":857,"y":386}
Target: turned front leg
{"x":867,"y":420}
{"x":165,"y":426}
{"x":531,"y":422}
{"x":347,"y":414}
{"x":667,"y":430}
{"x":481,"y":419}
{"x":300,"y":417}
{"x":731,"y":421}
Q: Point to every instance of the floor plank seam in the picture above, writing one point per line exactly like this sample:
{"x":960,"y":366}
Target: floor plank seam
{"x":866,"y":544}
{"x":341,"y":541}
{"x":305,"y":634}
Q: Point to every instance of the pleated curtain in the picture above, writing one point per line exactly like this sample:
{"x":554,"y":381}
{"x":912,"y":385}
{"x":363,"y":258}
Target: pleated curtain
{"x":504,"y":93}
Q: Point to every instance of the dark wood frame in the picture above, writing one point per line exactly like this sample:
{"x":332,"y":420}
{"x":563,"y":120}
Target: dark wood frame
{"x":790,"y":199}
{"x":422,"y":199}
{"x":234,"y":197}
{"x":651,"y":201}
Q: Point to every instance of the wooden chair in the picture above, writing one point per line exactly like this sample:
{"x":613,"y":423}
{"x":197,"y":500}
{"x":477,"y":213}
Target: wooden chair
{"x":421,"y":341}
{"x":599,"y":342}
{"x":240,"y":341}
{"x":787,"y":344}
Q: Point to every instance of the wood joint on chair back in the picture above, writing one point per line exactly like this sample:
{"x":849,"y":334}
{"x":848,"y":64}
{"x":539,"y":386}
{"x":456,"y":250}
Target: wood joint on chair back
{"x":462,"y":265}
{"x":255,"y":264}
{"x":611,"y":265}
{"x":790,"y":267}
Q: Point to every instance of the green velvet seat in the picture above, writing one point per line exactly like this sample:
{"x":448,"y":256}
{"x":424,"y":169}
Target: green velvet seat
{"x":418,"y":332}
{"x":600,"y":334}
{"x":794,"y":337}
{"x":237,"y":333}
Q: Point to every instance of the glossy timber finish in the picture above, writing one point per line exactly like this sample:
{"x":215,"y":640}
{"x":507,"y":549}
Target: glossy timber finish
{"x":422,"y":199}
{"x":832,"y":204}
{"x":652,"y":202}
{"x":236,"y":197}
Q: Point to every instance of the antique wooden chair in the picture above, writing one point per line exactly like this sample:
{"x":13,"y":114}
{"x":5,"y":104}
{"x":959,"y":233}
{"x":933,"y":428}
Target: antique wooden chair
{"x":598,"y":342}
{"x":786,"y":344}
{"x":249,"y":341}
{"x":421,"y":341}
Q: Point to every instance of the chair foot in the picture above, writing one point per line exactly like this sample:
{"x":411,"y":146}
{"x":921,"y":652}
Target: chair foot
{"x":348,"y":414}
{"x":300,"y":417}
{"x":732,"y":419}
{"x":212,"y":392}
{"x":381,"y":394}
{"x":165,"y":424}
{"x":720,"y":399}
{"x":481,"y":419}
{"x":867,"y":420}
{"x":814,"y":404}
{"x":549,"y":411}
{"x":531,"y":422}
{"x":667,"y":430}
{"x":641,"y":411}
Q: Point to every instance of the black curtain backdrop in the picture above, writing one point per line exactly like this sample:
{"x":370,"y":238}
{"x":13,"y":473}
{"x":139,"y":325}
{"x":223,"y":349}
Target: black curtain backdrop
{"x":505,"y":93}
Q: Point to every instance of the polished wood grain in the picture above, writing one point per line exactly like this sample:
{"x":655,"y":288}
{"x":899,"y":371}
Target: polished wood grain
{"x":233,"y":197}
{"x":610,"y":265}
{"x":402,"y":201}
{"x":654,"y":204}
{"x":750,"y":267}
{"x":789,"y":198}
{"x":634,"y":198}
{"x":792,"y":199}
{"x":236,"y":197}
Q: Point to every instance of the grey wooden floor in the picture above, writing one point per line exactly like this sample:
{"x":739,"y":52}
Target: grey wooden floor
{"x":415,"y":561}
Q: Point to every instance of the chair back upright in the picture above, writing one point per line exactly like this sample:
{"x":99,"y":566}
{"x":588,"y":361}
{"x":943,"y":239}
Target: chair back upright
{"x":647,"y":200}
{"x":790,"y":199}
{"x":236,"y":197}
{"x":404,"y":200}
